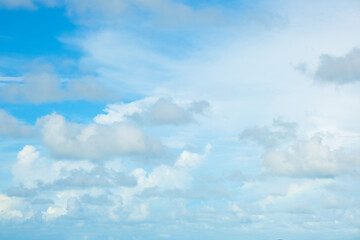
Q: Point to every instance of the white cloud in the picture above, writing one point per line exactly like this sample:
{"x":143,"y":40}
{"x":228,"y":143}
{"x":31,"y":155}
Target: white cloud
{"x":93,"y":141}
{"x":188,"y":160}
{"x":161,"y":178}
{"x":339,"y":70}
{"x":14,"y":208}
{"x":310,"y":159}
{"x":158,"y":111}
{"x":46,"y":87}
{"x":53,"y":213}
{"x":10,"y":126}
{"x":30,"y":169}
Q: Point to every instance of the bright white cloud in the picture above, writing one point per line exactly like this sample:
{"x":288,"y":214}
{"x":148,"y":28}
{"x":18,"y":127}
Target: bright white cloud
{"x":93,"y":141}
{"x":31,"y":169}
{"x":162,"y":178}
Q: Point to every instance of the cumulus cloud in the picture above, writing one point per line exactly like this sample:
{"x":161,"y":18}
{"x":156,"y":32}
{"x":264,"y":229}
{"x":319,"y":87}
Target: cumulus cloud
{"x":310,"y":159}
{"x":280,"y":132}
{"x":339,"y":70}
{"x":164,"y":178}
{"x":11,"y":126}
{"x":83,"y":185}
{"x":14,"y":208}
{"x":157,"y":111}
{"x":30,"y":170}
{"x":45,"y":87}
{"x":93,"y":141}
{"x":290,"y":154}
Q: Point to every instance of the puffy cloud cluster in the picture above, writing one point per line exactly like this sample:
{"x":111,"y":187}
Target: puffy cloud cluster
{"x":61,"y":188}
{"x":290,"y":154}
{"x":311,"y":159}
{"x":94,"y":141}
{"x":30,"y":170}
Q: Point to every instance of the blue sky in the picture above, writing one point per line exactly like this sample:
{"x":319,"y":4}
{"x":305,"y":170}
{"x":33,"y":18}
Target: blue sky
{"x":164,"y":119}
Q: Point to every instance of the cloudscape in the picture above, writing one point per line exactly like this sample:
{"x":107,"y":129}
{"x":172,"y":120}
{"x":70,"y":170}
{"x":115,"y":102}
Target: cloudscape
{"x":178,"y":119}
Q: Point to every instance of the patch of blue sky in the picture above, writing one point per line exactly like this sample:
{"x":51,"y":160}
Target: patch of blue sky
{"x":34,"y":33}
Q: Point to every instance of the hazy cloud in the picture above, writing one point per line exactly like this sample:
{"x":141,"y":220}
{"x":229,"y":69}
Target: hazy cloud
{"x":46,"y":87}
{"x":339,"y":70}
{"x":269,"y":137}
{"x":10,"y":126}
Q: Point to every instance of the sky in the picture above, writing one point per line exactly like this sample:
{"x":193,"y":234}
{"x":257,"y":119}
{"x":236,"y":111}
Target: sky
{"x":178,"y":119}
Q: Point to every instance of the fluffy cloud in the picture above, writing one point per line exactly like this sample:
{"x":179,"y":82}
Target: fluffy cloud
{"x":339,"y":70}
{"x":10,"y":126}
{"x":68,"y":184}
{"x":13,"y":208}
{"x":30,"y":169}
{"x":310,"y":159}
{"x":161,"y":111}
{"x":93,"y":141}
{"x":163,"y":179}
{"x":316,"y":153}
{"x":45,"y":87}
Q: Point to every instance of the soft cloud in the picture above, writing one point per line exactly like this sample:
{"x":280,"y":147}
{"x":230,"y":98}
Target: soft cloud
{"x":164,"y":13}
{"x":188,"y":160}
{"x":28,"y":4}
{"x":10,"y":126}
{"x":13,"y":208}
{"x":30,"y":169}
{"x":45,"y":87}
{"x":269,"y":137}
{"x":161,"y":111}
{"x":93,"y":141}
{"x":310,"y":159}
{"x":17,"y":4}
{"x":164,"y":178}
{"x":339,"y":70}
